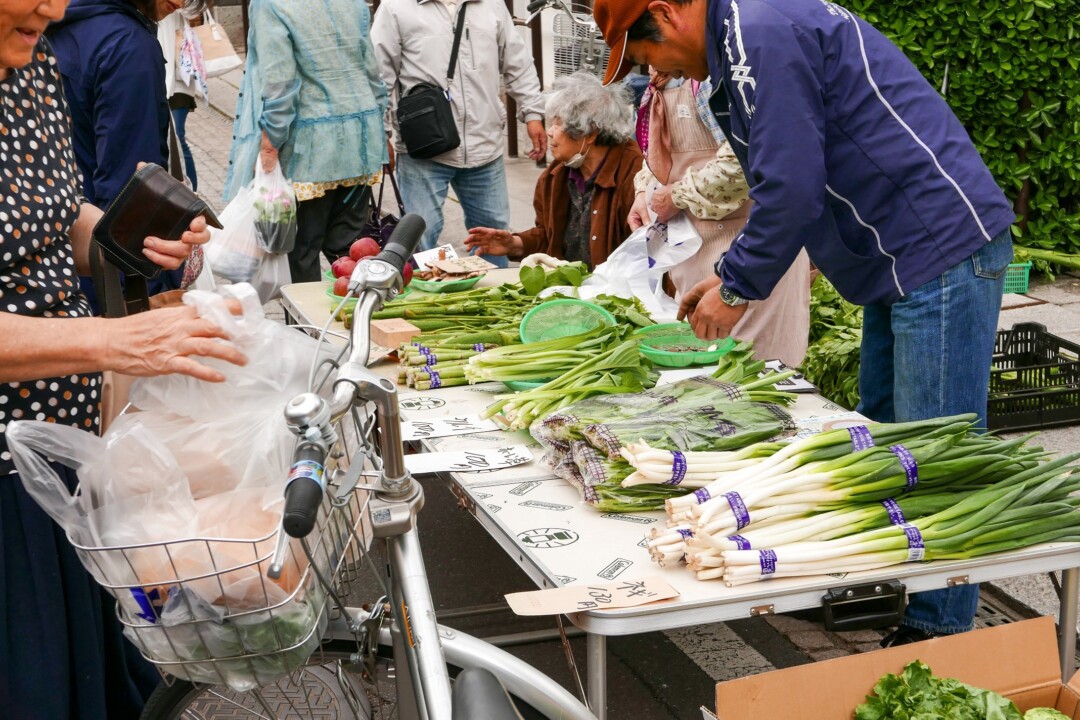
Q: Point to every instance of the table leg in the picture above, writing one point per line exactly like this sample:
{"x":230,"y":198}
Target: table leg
{"x":1070,"y":595}
{"x":596,"y":649}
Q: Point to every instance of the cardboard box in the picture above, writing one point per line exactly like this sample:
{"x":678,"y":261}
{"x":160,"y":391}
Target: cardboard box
{"x":392,"y":332}
{"x":1018,"y":660}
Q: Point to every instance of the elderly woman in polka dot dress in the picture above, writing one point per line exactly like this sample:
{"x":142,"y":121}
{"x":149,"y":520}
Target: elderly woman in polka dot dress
{"x":61,"y":652}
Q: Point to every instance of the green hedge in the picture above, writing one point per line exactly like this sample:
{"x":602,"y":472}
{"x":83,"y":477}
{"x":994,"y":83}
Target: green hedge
{"x":1013,"y":80}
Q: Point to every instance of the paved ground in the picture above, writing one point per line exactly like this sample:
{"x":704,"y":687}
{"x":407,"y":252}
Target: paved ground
{"x":656,"y":675}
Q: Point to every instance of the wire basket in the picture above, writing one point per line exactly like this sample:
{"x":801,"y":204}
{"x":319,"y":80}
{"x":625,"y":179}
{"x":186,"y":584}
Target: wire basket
{"x":578,"y":43}
{"x":204,"y":610}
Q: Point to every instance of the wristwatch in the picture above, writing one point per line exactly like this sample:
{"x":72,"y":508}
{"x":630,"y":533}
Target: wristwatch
{"x":731,"y":299}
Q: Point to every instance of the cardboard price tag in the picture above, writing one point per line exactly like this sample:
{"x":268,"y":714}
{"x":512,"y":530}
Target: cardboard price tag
{"x":445,"y":427}
{"x":462,"y":265}
{"x":796,"y":383}
{"x":469,"y":460}
{"x":582,"y":598}
{"x":424,"y":259}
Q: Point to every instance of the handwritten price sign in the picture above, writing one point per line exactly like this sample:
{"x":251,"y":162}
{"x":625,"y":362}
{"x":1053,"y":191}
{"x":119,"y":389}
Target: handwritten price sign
{"x":583,"y":598}
{"x":445,"y":427}
{"x":469,"y":460}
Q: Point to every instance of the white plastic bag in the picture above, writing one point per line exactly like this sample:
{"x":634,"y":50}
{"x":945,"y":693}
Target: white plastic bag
{"x":234,"y":251}
{"x":637,"y":266}
{"x":272,"y":275}
{"x":275,"y":210}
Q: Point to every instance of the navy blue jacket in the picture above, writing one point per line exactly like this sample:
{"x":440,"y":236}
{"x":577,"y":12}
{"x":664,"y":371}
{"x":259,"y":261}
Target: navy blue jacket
{"x":848,"y":150}
{"x":114,"y":80}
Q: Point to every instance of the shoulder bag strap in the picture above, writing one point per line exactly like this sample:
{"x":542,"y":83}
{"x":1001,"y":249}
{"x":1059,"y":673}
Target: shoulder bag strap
{"x":457,"y":43}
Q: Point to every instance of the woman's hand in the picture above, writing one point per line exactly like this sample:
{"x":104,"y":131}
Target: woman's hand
{"x":170,"y":254}
{"x":663,"y":205}
{"x":268,"y":154}
{"x":488,"y":241}
{"x":160,"y":342}
{"x":639,"y":213}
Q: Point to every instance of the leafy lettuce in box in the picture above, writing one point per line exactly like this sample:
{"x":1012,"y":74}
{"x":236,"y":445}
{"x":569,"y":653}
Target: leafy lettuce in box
{"x":916,"y":694}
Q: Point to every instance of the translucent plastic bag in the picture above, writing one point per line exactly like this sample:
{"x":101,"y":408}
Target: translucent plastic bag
{"x":272,"y":275}
{"x":275,"y":208}
{"x":235,"y":252}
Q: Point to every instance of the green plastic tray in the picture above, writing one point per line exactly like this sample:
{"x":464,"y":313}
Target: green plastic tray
{"x":444,"y":286}
{"x":656,"y":337}
{"x":328,"y":276}
{"x":559,"y":318}
{"x":335,"y":300}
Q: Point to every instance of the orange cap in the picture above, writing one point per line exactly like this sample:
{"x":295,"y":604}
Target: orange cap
{"x":614,"y":18}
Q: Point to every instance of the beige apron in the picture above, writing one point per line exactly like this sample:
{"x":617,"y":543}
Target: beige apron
{"x":778,"y":325}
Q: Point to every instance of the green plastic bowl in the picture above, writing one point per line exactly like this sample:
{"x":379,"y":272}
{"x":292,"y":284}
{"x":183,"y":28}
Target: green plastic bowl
{"x":328,"y":277}
{"x":444,"y":286}
{"x":559,"y":318}
{"x":522,"y":385}
{"x":656,"y":338}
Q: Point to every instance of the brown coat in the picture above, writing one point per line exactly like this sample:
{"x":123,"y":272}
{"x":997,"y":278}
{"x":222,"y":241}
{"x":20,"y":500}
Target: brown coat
{"x":612,"y":199}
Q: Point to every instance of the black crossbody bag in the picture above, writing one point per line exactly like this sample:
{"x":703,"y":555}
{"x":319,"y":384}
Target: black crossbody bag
{"x":424,"y":113}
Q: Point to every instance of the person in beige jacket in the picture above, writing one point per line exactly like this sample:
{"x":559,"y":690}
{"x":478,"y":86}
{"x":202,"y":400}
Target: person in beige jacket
{"x":413,"y":41}
{"x":690,"y":168}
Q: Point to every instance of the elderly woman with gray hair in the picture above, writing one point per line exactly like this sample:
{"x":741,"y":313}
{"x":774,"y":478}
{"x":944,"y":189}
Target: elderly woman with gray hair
{"x":584,"y":196}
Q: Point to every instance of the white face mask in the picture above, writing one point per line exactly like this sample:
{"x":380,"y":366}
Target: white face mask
{"x":579,"y":159}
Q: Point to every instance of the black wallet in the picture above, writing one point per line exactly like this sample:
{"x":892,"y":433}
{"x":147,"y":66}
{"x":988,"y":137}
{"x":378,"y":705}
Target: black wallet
{"x":152,"y":203}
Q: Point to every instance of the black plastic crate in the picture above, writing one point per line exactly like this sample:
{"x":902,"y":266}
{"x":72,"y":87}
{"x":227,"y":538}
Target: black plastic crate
{"x":1034,"y":381}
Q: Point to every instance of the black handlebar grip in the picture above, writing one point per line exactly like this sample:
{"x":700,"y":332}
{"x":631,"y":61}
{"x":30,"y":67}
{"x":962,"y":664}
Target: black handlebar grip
{"x":535,"y":5}
{"x":403,"y":241}
{"x":304,"y":491}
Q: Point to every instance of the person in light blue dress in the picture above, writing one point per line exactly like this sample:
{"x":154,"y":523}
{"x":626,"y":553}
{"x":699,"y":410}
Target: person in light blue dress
{"x":312,"y":100}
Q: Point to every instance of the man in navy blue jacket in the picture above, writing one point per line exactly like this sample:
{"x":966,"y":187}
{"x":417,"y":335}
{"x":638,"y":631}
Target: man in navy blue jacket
{"x":850,"y":153}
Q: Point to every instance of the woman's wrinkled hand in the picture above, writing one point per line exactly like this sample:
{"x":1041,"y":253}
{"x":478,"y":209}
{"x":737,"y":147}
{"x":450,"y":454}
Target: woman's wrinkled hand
{"x":161,"y":342}
{"x":170,"y":254}
{"x":268,"y":154}
{"x":488,"y":241}
{"x":663,"y":205}
{"x":639,"y":213}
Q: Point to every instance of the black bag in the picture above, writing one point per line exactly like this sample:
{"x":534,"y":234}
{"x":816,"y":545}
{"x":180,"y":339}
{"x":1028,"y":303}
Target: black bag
{"x":426,"y":116}
{"x":381,"y":226}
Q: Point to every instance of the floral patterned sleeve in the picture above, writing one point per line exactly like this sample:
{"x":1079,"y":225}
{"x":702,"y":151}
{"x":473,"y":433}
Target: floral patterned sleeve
{"x":716,"y":190}
{"x":643,"y":179}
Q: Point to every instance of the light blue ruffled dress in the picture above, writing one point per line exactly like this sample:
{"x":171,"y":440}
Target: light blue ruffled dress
{"x":311,"y":83}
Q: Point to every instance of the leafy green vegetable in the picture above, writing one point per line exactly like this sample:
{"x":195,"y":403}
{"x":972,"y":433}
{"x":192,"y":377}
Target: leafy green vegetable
{"x":832,"y":359}
{"x":1045,"y":714}
{"x":917,"y":695}
{"x":534,"y":279}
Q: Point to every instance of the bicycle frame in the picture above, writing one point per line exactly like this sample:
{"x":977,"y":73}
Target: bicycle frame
{"x":419,"y":643}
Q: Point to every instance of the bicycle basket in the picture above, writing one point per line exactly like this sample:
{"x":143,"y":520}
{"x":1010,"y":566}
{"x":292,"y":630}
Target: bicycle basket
{"x":578,"y":43}
{"x":203,"y":609}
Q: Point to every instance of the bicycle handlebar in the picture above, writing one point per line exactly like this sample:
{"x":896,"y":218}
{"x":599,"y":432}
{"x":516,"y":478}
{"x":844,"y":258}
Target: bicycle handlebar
{"x":403,"y":241}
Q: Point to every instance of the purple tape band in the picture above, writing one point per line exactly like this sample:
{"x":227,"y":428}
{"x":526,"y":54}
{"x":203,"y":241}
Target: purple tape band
{"x":678,"y":468}
{"x":742,"y":515}
{"x":768,"y":562}
{"x":478,"y":347}
{"x":740,"y":541}
{"x":916,"y":548}
{"x":861,"y":439}
{"x":909,"y":463}
{"x":423,"y":350}
{"x":686,"y":534}
{"x":436,"y":382}
{"x":896,"y":514}
{"x":702,"y":496}
{"x":432,"y":360}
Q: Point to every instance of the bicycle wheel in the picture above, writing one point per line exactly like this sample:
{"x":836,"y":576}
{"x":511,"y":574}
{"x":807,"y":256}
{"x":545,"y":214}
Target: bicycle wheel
{"x":329,"y":688}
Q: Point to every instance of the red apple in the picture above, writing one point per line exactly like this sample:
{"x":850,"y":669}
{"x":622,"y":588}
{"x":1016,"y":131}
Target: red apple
{"x":406,"y":274}
{"x":364,"y":247}
{"x":341,"y":286}
{"x":343,"y":267}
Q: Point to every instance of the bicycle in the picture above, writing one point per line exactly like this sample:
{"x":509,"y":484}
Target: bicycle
{"x":291,"y":648}
{"x":579,"y":44}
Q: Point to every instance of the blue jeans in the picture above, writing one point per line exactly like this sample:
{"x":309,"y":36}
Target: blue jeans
{"x":928,"y":355}
{"x":481,"y":190}
{"x":179,"y":121}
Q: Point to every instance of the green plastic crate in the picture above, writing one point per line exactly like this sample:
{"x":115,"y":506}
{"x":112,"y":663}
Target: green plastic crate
{"x":1016,"y":278}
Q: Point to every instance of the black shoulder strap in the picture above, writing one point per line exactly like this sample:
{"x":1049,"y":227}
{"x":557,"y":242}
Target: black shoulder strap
{"x":457,"y":42}
{"x":115,"y":300}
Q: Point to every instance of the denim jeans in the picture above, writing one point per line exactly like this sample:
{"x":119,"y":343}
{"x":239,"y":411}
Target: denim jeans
{"x":928,"y":355}
{"x":179,"y":121}
{"x":481,"y":191}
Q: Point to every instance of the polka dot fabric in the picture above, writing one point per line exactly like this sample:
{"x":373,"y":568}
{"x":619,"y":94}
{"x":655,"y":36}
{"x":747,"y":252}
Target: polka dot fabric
{"x":39,"y":201}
